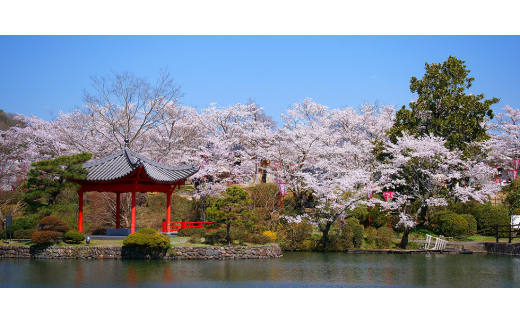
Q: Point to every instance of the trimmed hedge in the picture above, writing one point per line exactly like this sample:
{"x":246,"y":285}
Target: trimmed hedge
{"x":44,"y":237}
{"x":23,"y":234}
{"x":73,"y":236}
{"x":452,"y":225}
{"x":148,"y":238}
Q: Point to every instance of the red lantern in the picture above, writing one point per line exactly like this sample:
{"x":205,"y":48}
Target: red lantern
{"x":282,"y":187}
{"x":388,"y":195}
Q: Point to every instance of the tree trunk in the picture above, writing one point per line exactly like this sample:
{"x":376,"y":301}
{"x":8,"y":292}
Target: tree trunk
{"x":404,"y":239}
{"x":228,"y":235}
{"x":325,"y":235}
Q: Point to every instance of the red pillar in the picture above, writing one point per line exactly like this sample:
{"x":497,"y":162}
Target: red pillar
{"x":118,"y":208}
{"x":168,"y":209}
{"x":80,"y":212}
{"x":132,"y":225}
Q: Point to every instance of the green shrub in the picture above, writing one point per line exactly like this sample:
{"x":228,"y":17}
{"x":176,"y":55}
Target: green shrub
{"x":195,"y":239}
{"x":358,"y":232}
{"x":241,"y":235}
{"x":488,"y":215}
{"x":371,"y":234}
{"x":347,"y":237}
{"x":44,"y":237}
{"x":296,"y":235}
{"x":452,"y":225}
{"x":73,"y":236}
{"x":148,"y":238}
{"x":435,"y":216}
{"x":259,"y":239}
{"x":190,"y":232}
{"x":472,"y":223}
{"x":351,"y":222}
{"x":23,"y":234}
{"x":385,"y":235}
{"x":215,"y":236}
{"x":335,"y":243}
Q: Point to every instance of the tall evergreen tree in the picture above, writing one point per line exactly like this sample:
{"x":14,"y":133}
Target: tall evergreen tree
{"x":443,"y":108}
{"x":48,"y":178}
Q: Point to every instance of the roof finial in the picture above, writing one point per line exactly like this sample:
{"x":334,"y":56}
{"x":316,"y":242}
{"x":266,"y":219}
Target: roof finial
{"x":126,"y":142}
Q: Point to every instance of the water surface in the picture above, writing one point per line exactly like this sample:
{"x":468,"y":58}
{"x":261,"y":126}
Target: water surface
{"x":294,"y":269}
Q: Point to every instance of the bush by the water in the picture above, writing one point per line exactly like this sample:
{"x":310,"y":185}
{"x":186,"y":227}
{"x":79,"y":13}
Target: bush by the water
{"x":148,"y":238}
{"x":452,"y":225}
{"x":371,"y":234}
{"x":297,"y":236}
{"x":270,"y":234}
{"x":41,"y":237}
{"x":215,"y":236}
{"x":488,"y":215}
{"x":73,"y":236}
{"x":384,"y":237}
{"x":52,"y":223}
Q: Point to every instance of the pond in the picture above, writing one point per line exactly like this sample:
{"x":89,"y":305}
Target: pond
{"x":294,"y":269}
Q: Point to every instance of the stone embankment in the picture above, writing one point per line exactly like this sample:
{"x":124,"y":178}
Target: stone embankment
{"x":174,"y":253}
{"x":502,"y":248}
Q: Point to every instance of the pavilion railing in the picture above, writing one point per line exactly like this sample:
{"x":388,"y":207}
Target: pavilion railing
{"x":176,"y":226}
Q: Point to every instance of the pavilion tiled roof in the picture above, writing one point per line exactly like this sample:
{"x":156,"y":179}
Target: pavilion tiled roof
{"x":122,"y":163}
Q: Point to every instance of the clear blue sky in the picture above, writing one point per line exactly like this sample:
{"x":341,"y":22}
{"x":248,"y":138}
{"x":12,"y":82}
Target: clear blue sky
{"x":46,"y":73}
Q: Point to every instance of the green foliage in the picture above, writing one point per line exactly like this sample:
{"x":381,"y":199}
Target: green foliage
{"x":452,"y":225}
{"x":351,"y":222}
{"x":512,"y":199}
{"x":215,"y":236}
{"x":257,"y":238}
{"x":147,"y":238}
{"x":73,"y":236}
{"x":443,"y":108}
{"x":190,"y":232}
{"x":371,"y":235}
{"x":49,"y":178}
{"x":360,"y":212}
{"x":296,"y":236}
{"x":385,"y":235}
{"x":488,"y":215}
{"x":24,"y":223}
{"x":232,"y":209}
{"x":472,"y":223}
{"x":44,"y":237}
{"x":358,"y":232}
{"x":23,"y":234}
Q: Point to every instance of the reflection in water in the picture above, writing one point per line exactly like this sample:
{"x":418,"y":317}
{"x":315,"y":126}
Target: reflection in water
{"x":295,"y":269}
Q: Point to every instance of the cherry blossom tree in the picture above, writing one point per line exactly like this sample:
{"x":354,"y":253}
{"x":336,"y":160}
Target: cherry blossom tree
{"x":505,"y":137}
{"x":423,"y":169}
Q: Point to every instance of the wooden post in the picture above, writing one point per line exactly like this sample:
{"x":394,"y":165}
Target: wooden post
{"x":168,"y":208}
{"x":132,"y":220}
{"x":80,"y":211}
{"x":118,"y":210}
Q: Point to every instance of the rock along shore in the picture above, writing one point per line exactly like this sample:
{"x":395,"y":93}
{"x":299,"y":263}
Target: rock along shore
{"x":173,"y":253}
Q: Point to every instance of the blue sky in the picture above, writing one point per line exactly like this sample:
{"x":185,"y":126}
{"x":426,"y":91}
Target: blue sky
{"x":44,"y":74}
{"x":276,"y":52}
